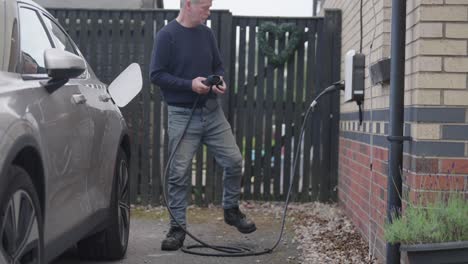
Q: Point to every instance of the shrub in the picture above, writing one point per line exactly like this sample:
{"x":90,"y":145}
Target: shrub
{"x":440,"y":221}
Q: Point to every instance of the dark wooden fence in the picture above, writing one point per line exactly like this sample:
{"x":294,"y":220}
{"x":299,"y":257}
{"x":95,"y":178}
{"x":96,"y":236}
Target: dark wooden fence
{"x":265,"y":104}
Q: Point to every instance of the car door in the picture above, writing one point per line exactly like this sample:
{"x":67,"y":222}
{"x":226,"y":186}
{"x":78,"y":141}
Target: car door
{"x":64,"y":127}
{"x":99,"y":177}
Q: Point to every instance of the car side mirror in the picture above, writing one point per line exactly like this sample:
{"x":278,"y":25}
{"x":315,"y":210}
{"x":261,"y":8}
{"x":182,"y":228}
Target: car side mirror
{"x":61,"y":66}
{"x":127,"y":85}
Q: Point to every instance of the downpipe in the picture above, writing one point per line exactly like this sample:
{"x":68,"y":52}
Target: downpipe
{"x":397,"y":89}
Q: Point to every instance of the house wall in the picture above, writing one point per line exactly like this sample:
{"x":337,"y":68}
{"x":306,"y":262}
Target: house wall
{"x":436,"y":110}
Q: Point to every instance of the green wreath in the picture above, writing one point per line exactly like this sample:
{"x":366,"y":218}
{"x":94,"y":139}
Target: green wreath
{"x":278,"y":32}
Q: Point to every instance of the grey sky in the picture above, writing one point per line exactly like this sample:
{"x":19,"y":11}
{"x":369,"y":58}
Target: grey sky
{"x":299,"y":8}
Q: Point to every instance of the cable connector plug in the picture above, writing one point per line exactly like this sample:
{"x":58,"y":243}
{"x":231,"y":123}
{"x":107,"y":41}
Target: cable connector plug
{"x":339,"y":85}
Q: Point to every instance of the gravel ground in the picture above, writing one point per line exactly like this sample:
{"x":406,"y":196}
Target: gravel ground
{"x":322,"y":231}
{"x":315,"y":233}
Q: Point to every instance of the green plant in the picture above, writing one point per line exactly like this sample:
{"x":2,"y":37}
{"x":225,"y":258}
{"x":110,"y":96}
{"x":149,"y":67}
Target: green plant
{"x":278,"y":32}
{"x":436,"y":222}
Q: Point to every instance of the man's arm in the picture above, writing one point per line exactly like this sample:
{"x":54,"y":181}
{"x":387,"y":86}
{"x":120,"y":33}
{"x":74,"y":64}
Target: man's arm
{"x":160,"y":61}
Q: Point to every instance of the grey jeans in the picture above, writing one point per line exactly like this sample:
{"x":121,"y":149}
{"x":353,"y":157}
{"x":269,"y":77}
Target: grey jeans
{"x":210,"y":127}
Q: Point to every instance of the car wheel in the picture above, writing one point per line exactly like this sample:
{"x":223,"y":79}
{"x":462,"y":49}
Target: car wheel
{"x":111,"y":244}
{"x":21,"y":229}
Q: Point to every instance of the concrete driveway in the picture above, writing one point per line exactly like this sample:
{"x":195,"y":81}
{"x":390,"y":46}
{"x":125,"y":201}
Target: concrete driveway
{"x":149,"y":227}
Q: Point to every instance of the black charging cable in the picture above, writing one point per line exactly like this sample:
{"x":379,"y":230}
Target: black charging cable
{"x":238,"y":251}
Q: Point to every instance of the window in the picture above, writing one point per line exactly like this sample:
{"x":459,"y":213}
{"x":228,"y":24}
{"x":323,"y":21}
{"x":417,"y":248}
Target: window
{"x":34,"y":41}
{"x":13,"y":63}
{"x":2,"y":33}
{"x":61,"y":40}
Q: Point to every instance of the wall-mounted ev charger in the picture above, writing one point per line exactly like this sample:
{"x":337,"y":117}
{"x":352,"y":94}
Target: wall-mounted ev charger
{"x":355,"y":64}
{"x":354,"y":76}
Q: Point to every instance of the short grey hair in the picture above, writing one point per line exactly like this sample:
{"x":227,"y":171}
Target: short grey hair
{"x":182,"y":2}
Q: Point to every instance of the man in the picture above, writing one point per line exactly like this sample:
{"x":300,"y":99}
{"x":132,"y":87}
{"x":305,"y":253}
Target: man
{"x":184,"y":54}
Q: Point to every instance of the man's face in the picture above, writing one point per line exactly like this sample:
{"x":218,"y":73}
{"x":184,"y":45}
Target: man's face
{"x":200,"y":11}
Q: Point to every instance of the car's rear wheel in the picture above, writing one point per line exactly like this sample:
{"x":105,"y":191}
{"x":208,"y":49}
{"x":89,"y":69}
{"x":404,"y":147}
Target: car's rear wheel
{"x":21,"y":229}
{"x":111,"y":244}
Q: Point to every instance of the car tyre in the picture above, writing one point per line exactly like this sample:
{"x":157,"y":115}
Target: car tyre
{"x":111,"y":244}
{"x":21,"y":225}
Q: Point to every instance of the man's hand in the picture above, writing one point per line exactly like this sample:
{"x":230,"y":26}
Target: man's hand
{"x":199,"y":87}
{"x":220,"y":89}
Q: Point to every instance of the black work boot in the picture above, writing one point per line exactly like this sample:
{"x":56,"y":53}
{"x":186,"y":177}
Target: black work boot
{"x":174,"y":239}
{"x":235,"y":217}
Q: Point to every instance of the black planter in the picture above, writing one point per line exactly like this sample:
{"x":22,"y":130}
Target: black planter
{"x":449,"y":252}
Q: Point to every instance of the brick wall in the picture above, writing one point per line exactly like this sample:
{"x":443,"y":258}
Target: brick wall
{"x":436,"y":110}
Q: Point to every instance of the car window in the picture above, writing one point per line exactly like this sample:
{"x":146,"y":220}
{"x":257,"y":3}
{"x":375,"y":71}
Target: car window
{"x":61,"y":40}
{"x":2,"y":33}
{"x":34,"y":41}
{"x":14,"y":49}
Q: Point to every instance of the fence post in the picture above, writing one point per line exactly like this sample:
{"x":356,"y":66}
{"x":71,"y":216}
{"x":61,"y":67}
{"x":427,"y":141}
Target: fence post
{"x":330,"y":108}
{"x":335,"y":21}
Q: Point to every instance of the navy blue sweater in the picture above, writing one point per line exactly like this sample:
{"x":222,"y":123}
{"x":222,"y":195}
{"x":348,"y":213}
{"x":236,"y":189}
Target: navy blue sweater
{"x":181,"y":54}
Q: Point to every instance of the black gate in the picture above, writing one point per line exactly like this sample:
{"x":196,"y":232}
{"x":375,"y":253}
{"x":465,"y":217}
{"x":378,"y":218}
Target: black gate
{"x":265,"y":105}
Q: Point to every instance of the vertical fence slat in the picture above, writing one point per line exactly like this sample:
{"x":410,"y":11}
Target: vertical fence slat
{"x":233,"y":90}
{"x":210,"y":184}
{"x":270,"y":90}
{"x":61,"y":18}
{"x":134,"y":49}
{"x":259,"y":128}
{"x":288,"y":121}
{"x":158,"y":167}
{"x":250,"y":124}
{"x":225,"y":45}
{"x":104,"y":47}
{"x":315,"y":123}
{"x":240,"y":100}
{"x":93,"y":41}
{"x":279,"y":139}
{"x":71,"y":27}
{"x":199,"y":190}
{"x":301,"y":182}
{"x":84,"y":34}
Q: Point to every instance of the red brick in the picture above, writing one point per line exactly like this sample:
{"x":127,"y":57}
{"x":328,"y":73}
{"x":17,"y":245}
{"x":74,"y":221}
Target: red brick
{"x":380,"y":180}
{"x":436,"y":182}
{"x":454,"y":166}
{"x":421,"y":165}
{"x":423,"y":198}
{"x":380,"y":166}
{"x":362,"y":159}
{"x":380,"y":153}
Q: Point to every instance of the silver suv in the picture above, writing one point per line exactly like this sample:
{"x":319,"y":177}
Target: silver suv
{"x":64,"y":146}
